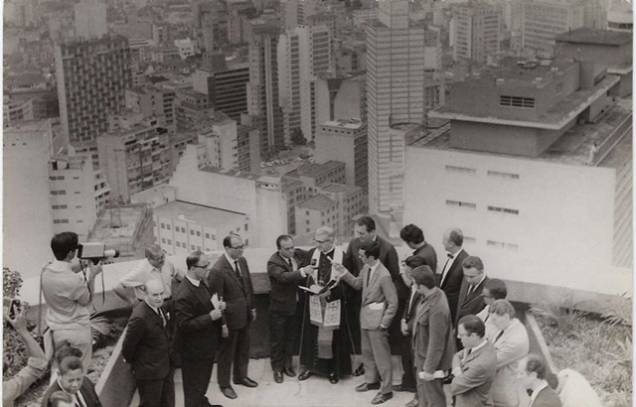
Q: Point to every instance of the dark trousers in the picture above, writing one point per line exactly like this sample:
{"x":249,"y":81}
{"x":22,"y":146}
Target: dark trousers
{"x":406,"y":351}
{"x":196,"y":377}
{"x":282,"y":335}
{"x":431,"y":394}
{"x":235,"y":350}
{"x":156,"y":392}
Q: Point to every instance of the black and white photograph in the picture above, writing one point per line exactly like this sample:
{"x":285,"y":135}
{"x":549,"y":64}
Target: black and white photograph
{"x":317,"y":203}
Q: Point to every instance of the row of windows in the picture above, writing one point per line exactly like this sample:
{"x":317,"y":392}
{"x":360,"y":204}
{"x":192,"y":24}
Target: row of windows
{"x":516,"y":101}
{"x":472,"y":205}
{"x":492,"y":173}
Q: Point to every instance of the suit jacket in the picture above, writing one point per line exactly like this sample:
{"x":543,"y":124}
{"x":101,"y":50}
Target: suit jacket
{"x":428,"y":253}
{"x":147,"y":344}
{"x":87,"y":389}
{"x":199,"y":335}
{"x":236,"y":292}
{"x":470,"y":303}
{"x":510,"y":347}
{"x":433,"y":340}
{"x":410,"y":310}
{"x":471,"y":388}
{"x":453,"y":282}
{"x":379,"y":290}
{"x":284,"y":282}
{"x":546,"y":398}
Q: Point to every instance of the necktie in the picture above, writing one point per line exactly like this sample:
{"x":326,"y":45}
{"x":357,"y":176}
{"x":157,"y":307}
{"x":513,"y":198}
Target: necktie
{"x":291,"y":265}
{"x":499,"y":335}
{"x":468,"y":352}
{"x":163,"y":318}
{"x":369,"y":276}
{"x":237,"y":270}
{"x":486,"y":319}
{"x":470,"y":289}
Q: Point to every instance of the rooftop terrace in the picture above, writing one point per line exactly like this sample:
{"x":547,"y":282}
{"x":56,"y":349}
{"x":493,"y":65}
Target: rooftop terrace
{"x":200,"y":214}
{"x":596,"y":37}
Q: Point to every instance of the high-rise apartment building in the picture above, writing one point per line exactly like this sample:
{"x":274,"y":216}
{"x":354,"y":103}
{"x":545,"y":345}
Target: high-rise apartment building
{"x":153,"y":100}
{"x":395,"y":94}
{"x":543,"y":20}
{"x":296,"y":12}
{"x":135,"y":156}
{"x":477,"y":31}
{"x":263,"y":92}
{"x":92,"y":76}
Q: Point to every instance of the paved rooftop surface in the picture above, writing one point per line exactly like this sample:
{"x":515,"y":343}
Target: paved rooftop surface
{"x":598,"y":37}
{"x":201,"y":214}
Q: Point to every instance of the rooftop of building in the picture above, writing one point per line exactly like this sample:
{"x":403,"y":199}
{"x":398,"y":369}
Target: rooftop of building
{"x":573,"y":148}
{"x":199,"y":214}
{"x":118,"y":226}
{"x":350,"y":124}
{"x":317,"y":203}
{"x":338,"y":188}
{"x":310,"y":169}
{"x":595,"y":37}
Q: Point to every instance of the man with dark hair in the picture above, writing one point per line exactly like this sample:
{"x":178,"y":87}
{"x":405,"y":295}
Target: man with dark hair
{"x":284,"y":277}
{"x":475,"y":366}
{"x":494,"y":289}
{"x":199,"y":325}
{"x":433,"y":342}
{"x":533,"y":378}
{"x":413,"y":236}
{"x":379,"y":306}
{"x":67,"y":290}
{"x":325,"y":343}
{"x":230,"y":277}
{"x":148,"y":346}
{"x":471,"y":300}
{"x":451,"y":275}
{"x":365,"y":231}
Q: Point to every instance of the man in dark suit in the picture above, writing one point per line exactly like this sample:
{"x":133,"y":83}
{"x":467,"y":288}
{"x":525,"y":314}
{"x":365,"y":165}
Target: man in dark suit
{"x":414,"y":238}
{"x":366,"y":232}
{"x":230,"y":277}
{"x":433,"y":341}
{"x":199,"y":329}
{"x":147,"y":347}
{"x":284,"y":277}
{"x":471,"y":300}
{"x":475,"y":366}
{"x":533,"y":378}
{"x":451,"y":275}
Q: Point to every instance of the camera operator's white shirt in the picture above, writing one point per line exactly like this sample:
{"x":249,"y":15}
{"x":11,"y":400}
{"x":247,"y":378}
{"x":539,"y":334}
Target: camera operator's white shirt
{"x":143,"y":271}
{"x":62,"y":289}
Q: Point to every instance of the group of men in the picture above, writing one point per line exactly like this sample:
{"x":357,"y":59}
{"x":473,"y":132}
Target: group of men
{"x":450,"y":327}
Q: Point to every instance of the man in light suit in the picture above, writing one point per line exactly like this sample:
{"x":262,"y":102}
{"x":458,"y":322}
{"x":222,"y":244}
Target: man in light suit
{"x":365,"y":231}
{"x":230,"y":277}
{"x":199,"y":329}
{"x":475,"y":366}
{"x":147,"y":347}
{"x":433,"y":342}
{"x":378,"y":307}
{"x":471,"y":300}
{"x":451,"y":276}
{"x":511,"y":345}
{"x":533,"y":377}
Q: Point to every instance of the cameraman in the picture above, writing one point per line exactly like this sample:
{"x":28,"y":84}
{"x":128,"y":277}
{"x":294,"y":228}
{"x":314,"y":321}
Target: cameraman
{"x":68,"y":289}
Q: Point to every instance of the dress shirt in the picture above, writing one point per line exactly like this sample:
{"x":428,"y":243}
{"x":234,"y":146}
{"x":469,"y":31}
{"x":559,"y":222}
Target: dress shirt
{"x":143,"y":271}
{"x":371,"y":272}
{"x":194,"y":282}
{"x":481,"y":345}
{"x":535,"y":392}
{"x":449,"y":264}
{"x":472,"y":287}
{"x":63,"y":289}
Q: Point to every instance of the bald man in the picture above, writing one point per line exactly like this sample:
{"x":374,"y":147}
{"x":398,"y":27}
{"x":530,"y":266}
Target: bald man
{"x":147,"y":346}
{"x":155,"y":265}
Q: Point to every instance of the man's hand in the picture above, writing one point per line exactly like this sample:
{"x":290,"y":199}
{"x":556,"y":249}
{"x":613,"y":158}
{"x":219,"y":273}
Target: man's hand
{"x":216,"y":314}
{"x":426,"y":376}
{"x":404,"y":327}
{"x":222,"y":306}
{"x":340,"y":270}
{"x":457,"y":371}
{"x":94,"y":270}
{"x":325,"y":295}
{"x":383,"y":328}
{"x":19,"y":323}
{"x":224,"y":331}
{"x":253,"y":314}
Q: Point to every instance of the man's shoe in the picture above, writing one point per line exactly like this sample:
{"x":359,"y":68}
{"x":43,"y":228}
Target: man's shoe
{"x":289,"y":371}
{"x":359,"y":371}
{"x":305,"y":375}
{"x":246,"y":381}
{"x":399,"y":387}
{"x":367,"y":386}
{"x":333,"y":378}
{"x":228,"y":392}
{"x":413,"y":403}
{"x":381,"y":398}
{"x":278,"y":376}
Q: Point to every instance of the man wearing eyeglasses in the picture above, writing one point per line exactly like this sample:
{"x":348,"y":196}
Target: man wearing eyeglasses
{"x":155,"y":265}
{"x":230,"y":278}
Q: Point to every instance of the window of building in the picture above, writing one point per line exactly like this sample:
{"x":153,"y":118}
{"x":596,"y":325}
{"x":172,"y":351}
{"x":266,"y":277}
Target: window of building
{"x":169,"y":241}
{"x":198,"y":233}
{"x":502,"y":245}
{"x":58,"y":221}
{"x":163,"y":240}
{"x":163,"y":225}
{"x":469,"y":240}
{"x":461,"y":204}
{"x":192,"y":232}
{"x":502,"y":174}
{"x":207,"y":235}
{"x":168,"y":226}
{"x":464,"y":170}
{"x":503,"y":210}
{"x":516,"y":101}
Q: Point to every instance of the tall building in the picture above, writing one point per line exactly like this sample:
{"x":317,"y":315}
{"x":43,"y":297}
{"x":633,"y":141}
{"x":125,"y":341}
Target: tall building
{"x":263,"y":92}
{"x":92,"y":76}
{"x":477,"y":32}
{"x":395,"y":94}
{"x":340,"y":97}
{"x":227,"y":145}
{"x":296,"y":12}
{"x":90,"y":19}
{"x":153,"y":100}
{"x":225,"y":84}
{"x":543,"y":20}
{"x":345,"y":140}
{"x":135,"y":156}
